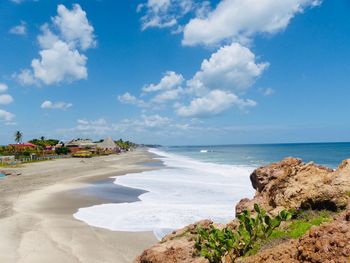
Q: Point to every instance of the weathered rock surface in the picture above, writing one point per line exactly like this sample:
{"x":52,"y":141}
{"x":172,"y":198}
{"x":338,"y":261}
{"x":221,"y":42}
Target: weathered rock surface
{"x":289,"y":184}
{"x":175,"y":247}
{"x":292,"y":184}
{"x":329,"y":242}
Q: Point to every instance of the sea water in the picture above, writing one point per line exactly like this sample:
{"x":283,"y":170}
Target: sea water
{"x":198,"y":182}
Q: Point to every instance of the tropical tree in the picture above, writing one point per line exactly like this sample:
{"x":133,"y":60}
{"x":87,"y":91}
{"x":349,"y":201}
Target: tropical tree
{"x":18,"y":136}
{"x":42,"y":138}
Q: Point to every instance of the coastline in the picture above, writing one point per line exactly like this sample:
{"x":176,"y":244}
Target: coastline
{"x":37,"y":207}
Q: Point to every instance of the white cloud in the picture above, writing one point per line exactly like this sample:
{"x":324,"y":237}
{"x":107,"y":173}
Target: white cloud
{"x":93,"y":127}
{"x":3,"y":87}
{"x":170,"y":80}
{"x":167,"y":95}
{"x":74,"y":26}
{"x":5,"y":99}
{"x":241,"y":19}
{"x":6,"y":116}
{"x":127,"y":98}
{"x":74,"y":34}
{"x":49,"y":68}
{"x":232,"y":67}
{"x":25,"y":77}
{"x":267,"y":92}
{"x":216,"y":87}
{"x":56,"y":105}
{"x":164,"y":13}
{"x":213,"y":103}
{"x":20,"y":29}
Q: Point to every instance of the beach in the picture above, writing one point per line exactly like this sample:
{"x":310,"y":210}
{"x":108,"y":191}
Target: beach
{"x":37,"y":207}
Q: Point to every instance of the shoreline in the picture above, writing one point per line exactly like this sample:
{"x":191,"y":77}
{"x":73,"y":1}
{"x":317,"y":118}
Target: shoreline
{"x":37,"y":207}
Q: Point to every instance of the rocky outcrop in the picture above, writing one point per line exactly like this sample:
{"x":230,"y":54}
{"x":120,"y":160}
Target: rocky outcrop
{"x":292,"y":184}
{"x":289,"y":184}
{"x":175,"y":247}
{"x":327,"y":243}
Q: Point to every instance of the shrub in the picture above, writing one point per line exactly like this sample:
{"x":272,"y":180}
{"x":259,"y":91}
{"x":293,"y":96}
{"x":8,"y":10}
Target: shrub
{"x":214,"y":243}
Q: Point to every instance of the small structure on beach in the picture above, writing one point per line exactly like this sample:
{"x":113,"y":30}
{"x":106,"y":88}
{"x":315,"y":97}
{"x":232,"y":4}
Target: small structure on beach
{"x":80,"y":144}
{"x":108,"y":145}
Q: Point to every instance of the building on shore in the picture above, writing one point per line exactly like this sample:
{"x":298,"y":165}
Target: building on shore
{"x":24,"y":145}
{"x":108,"y":145}
{"x":80,"y":144}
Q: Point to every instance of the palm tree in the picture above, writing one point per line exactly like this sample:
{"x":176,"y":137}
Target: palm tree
{"x":42,"y":138}
{"x":18,"y":136}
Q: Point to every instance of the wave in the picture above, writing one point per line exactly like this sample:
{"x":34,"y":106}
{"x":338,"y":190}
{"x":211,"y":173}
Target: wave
{"x":183,"y":192}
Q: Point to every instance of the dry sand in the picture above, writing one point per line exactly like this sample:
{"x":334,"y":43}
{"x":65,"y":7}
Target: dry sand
{"x":36,"y":208}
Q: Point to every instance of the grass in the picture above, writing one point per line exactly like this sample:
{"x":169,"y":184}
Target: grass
{"x":294,"y":229}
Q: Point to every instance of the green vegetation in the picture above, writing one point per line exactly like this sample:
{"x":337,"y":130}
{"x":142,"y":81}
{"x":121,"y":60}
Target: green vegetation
{"x":303,"y":222}
{"x":62,"y":150}
{"x":42,"y":142}
{"x":23,"y":152}
{"x":125,"y":145}
{"x":214,"y":243}
{"x":298,"y":226}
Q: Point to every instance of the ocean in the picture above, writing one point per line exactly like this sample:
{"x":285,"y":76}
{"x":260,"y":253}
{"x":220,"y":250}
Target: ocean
{"x":198,"y":182}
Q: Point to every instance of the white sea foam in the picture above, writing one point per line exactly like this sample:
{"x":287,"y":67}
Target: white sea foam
{"x":182,"y":193}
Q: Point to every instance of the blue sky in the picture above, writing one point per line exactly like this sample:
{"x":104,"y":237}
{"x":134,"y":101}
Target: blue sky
{"x":176,"y":71}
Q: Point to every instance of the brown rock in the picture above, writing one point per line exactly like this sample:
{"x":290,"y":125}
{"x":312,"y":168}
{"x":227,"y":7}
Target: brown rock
{"x":289,"y":184}
{"x":292,"y":184}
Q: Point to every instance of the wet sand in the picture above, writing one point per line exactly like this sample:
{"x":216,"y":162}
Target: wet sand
{"x":37,"y":207}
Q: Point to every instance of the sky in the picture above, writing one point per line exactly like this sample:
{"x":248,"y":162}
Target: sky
{"x":176,"y":72}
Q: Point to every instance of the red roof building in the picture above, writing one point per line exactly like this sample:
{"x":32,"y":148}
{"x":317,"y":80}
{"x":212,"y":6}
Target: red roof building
{"x":24,"y":145}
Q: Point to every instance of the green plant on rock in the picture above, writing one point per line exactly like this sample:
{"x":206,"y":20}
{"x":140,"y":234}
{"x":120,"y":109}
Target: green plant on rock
{"x":214,"y":243}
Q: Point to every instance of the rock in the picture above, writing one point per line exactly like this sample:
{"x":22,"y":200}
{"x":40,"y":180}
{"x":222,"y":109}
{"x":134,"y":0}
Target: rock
{"x":329,"y":242}
{"x":289,"y":184}
{"x":175,"y":247}
{"x":176,"y":250}
{"x":292,"y":184}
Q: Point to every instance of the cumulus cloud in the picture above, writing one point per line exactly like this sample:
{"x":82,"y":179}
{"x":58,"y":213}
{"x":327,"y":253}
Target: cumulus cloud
{"x":74,"y":26}
{"x":5,"y":99}
{"x":168,"y":95}
{"x":6,"y":116}
{"x":56,"y":105}
{"x":95,"y":127}
{"x":214,"y":88}
{"x":20,"y":29}
{"x":49,"y":69}
{"x":127,"y":98}
{"x":3,"y":87}
{"x":232,"y":67}
{"x":169,"y":81}
{"x":163,"y":13}
{"x":241,"y":19}
{"x":73,"y":34}
{"x":213,"y":103}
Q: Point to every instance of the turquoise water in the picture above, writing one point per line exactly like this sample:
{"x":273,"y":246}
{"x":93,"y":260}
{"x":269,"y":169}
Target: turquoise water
{"x":329,"y":154}
{"x":2,"y":175}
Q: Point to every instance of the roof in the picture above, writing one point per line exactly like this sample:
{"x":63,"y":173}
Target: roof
{"x":26,"y":144}
{"x":81,"y":143}
{"x":107,"y":143}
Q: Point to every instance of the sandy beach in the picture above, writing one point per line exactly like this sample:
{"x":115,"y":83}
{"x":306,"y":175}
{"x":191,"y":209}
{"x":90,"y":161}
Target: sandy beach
{"x":37,"y":207}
